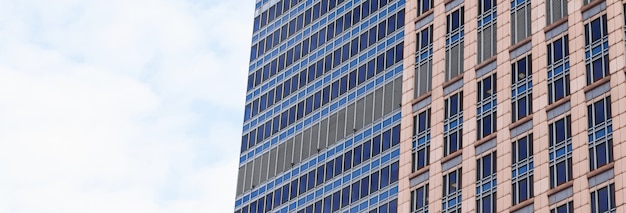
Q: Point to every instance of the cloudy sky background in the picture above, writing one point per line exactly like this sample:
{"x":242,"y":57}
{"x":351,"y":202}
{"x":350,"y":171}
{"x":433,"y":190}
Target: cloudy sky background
{"x":121,"y":106}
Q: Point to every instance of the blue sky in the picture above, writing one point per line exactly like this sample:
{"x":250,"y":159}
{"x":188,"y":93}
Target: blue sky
{"x":121,"y":106}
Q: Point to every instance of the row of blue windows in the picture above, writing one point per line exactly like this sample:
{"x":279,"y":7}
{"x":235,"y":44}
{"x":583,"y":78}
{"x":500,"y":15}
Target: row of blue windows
{"x":332,"y":168}
{"x":317,"y":69}
{"x":315,"y":55}
{"x":319,"y":99}
{"x":319,"y":207}
{"x":315,"y":27}
{"x":289,"y":29}
{"x":308,"y":45}
{"x":357,"y":138}
{"x":275,"y":11}
{"x":349,"y":194}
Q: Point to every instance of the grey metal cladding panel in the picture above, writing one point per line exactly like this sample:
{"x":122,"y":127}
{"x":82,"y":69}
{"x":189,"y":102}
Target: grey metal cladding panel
{"x":563,"y":108}
{"x":520,"y":24}
{"x":453,"y":4}
{"x":556,"y":31}
{"x":289,"y":153}
{"x":272,"y":162}
{"x":378,"y":103}
{"x":487,"y":42}
{"x":358,"y":116}
{"x":423,"y":103}
{"x":350,"y":118}
{"x":369,"y":109}
{"x":514,"y":30}
{"x":240,"y":177}
{"x":332,"y":130}
{"x":307,"y":144}
{"x":448,"y":60}
{"x":297,"y":149}
{"x":526,"y":209}
{"x":452,"y":163}
{"x":280,"y":163}
{"x":548,"y":6}
{"x":324,"y":134}
{"x":521,"y":129}
{"x":315,"y":131}
{"x":419,"y":179}
{"x":486,"y":146}
{"x":562,"y":195}
{"x":486,"y":69}
{"x":462,"y":56}
{"x":594,"y":10}
{"x":455,"y":59}
{"x":453,"y":87}
{"x":416,"y":81}
{"x":397,"y":93}
{"x":341,"y":126}
{"x":424,"y":78}
{"x":554,"y":6}
{"x":600,"y":90}
{"x":388,"y":98}
{"x":248,"y":177}
{"x":264,"y":166}
{"x":256,"y":179}
{"x":424,"y":22}
{"x":480,"y":43}
{"x":521,"y":50}
{"x":601,"y":178}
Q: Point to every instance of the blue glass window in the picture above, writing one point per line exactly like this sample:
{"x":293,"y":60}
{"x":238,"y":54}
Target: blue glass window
{"x":596,"y":49}
{"x":603,"y":199}
{"x":565,"y":208}
{"x":374,"y":183}
{"x":600,"y":136}
{"x":345,"y":196}
{"x":376,"y":145}
{"x":364,"y":186}
{"x":560,"y":151}
{"x":357,"y":155}
{"x":419,"y":199}
{"x":384,"y":177}
{"x":347,"y":164}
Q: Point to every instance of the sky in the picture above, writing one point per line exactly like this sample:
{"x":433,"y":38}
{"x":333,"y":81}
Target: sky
{"x":121,"y":105}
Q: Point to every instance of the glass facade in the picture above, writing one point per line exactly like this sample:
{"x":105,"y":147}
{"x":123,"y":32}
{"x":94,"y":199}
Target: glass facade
{"x":321,"y":124}
{"x":331,"y":81}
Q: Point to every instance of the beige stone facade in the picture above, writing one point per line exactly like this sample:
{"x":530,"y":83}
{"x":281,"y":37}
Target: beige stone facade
{"x":582,"y":94}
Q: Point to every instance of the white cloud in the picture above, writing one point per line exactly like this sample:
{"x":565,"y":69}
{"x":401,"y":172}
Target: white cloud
{"x":121,"y":106}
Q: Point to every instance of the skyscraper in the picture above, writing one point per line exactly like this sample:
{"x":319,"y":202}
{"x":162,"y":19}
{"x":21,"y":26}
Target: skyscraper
{"x":322,"y":118}
{"x":513,"y":106}
{"x":506,"y":106}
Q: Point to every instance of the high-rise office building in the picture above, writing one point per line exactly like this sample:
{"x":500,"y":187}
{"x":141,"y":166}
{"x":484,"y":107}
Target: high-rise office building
{"x":506,"y":106}
{"x":513,"y":106}
{"x":322,"y":119}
